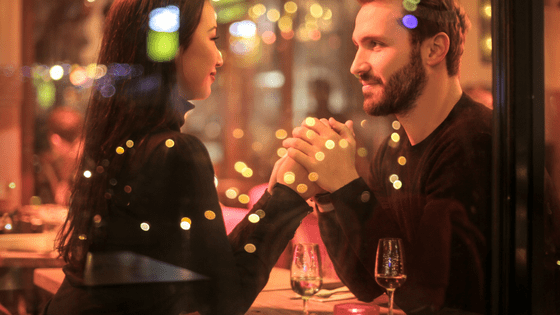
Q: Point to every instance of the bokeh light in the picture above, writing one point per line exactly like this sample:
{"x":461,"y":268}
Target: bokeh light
{"x":247,"y":172}
{"x":288,"y":35}
{"x":268,"y":37}
{"x":250,"y":248}
{"x":289,"y":177}
{"x":285,"y":24}
{"x":185,"y":223}
{"x":487,"y":9}
{"x":328,"y":14}
{"x":165,"y":19}
{"x":290,"y":7}
{"x":162,"y":46}
{"x":362,"y":152}
{"x":239,"y":166}
{"x":281,"y":152}
{"x":281,"y":134}
{"x":313,"y":176}
{"x":238,"y":133}
{"x":56,"y":72}
{"x":254,"y":218}
{"x":316,"y":10}
{"x":301,"y":188}
{"x":209,"y":214}
{"x":244,"y":199}
{"x":46,"y":93}
{"x":273,"y":15}
{"x":245,"y":29}
{"x":410,"y":21}
{"x":145,"y":226}
{"x":258,"y":9}
{"x":232,"y":192}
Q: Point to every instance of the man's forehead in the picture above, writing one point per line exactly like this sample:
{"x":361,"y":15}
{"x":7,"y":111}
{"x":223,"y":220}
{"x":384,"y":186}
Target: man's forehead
{"x":378,"y":17}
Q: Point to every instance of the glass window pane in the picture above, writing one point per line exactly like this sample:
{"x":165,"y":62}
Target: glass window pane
{"x":552,"y":155}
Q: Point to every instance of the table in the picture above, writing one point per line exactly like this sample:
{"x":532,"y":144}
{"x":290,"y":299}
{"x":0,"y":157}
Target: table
{"x":275,"y":298}
{"x":16,"y":278}
{"x":23,"y":259}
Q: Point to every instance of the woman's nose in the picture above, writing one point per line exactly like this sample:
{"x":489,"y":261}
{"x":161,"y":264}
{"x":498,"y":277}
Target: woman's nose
{"x":220,"y":61}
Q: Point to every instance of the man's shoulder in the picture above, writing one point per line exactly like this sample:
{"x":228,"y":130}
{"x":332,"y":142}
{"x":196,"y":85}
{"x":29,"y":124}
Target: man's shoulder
{"x":468,"y":112}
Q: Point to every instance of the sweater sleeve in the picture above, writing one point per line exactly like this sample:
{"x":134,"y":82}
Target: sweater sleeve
{"x":261,"y":237}
{"x":351,"y":237}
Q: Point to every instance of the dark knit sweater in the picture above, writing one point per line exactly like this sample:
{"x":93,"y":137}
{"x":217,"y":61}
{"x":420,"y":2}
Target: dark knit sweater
{"x":441,"y":211}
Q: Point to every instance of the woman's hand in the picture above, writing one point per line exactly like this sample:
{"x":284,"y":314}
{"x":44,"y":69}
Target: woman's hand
{"x":326,"y":150}
{"x":293,"y":175}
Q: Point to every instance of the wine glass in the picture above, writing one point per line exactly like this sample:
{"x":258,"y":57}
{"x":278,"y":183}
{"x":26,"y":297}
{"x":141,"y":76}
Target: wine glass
{"x":306,"y":276}
{"x":389,"y":266}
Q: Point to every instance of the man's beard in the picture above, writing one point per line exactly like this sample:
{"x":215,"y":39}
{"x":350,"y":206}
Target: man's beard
{"x":401,"y":90}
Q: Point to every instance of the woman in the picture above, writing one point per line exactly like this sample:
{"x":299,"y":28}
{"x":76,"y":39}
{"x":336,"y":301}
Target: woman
{"x":145,"y":192}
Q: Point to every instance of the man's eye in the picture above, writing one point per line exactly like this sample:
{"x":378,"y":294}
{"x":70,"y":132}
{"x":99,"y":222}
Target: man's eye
{"x":215,"y":38}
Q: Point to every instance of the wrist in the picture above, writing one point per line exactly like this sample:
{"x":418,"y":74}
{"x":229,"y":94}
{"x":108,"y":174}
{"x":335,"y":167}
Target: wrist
{"x":324,"y":202}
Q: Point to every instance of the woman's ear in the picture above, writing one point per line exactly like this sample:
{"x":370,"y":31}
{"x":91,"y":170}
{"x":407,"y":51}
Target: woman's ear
{"x":436,"y":49}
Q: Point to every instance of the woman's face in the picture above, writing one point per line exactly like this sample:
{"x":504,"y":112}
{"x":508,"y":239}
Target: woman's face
{"x":196,"y":65}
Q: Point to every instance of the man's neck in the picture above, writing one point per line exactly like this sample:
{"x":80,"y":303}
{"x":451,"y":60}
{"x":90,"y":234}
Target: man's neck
{"x":432,"y":107}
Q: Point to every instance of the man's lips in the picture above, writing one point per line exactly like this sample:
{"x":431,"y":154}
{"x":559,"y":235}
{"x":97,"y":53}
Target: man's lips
{"x":368,"y":86}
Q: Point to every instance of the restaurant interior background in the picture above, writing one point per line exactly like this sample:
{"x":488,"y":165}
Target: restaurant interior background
{"x":284,"y":60}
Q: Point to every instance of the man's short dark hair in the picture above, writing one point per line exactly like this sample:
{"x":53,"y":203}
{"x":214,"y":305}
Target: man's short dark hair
{"x":436,"y":16}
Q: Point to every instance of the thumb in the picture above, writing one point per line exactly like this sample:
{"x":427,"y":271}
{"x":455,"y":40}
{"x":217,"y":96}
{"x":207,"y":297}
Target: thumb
{"x":346,"y":130}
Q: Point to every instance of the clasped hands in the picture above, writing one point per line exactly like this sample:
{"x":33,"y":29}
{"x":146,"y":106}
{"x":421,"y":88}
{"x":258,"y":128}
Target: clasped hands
{"x":321,"y":157}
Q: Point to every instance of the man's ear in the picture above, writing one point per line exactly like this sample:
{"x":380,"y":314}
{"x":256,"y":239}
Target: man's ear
{"x":436,"y":48}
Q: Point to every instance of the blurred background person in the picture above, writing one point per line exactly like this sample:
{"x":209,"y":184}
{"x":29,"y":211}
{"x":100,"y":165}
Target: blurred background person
{"x":56,"y":165}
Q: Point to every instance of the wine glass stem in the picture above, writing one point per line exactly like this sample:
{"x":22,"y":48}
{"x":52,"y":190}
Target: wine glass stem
{"x":305,"y":311}
{"x":390,"y":295}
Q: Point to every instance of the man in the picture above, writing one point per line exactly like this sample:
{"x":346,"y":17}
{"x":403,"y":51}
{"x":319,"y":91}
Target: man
{"x":57,"y":165}
{"x":429,"y":184}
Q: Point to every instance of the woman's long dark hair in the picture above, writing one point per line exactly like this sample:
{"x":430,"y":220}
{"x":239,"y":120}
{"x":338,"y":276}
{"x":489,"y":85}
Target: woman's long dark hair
{"x":134,"y":98}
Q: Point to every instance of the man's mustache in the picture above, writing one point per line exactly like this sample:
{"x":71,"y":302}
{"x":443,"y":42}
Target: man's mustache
{"x":369,"y":78}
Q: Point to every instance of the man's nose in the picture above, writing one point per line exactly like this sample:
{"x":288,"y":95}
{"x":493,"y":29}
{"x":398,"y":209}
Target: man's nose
{"x":359,"y":65}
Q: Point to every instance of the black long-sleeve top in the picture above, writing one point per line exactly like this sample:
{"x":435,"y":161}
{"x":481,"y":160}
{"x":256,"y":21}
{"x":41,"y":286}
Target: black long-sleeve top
{"x":169,"y":180}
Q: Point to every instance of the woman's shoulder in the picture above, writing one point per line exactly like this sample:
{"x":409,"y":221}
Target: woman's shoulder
{"x":170,"y":139}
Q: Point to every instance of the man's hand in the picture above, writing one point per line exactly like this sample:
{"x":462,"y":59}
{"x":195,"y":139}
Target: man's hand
{"x":326,"y":151}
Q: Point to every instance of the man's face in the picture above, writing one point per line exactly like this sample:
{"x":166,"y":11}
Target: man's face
{"x":390,"y":70}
